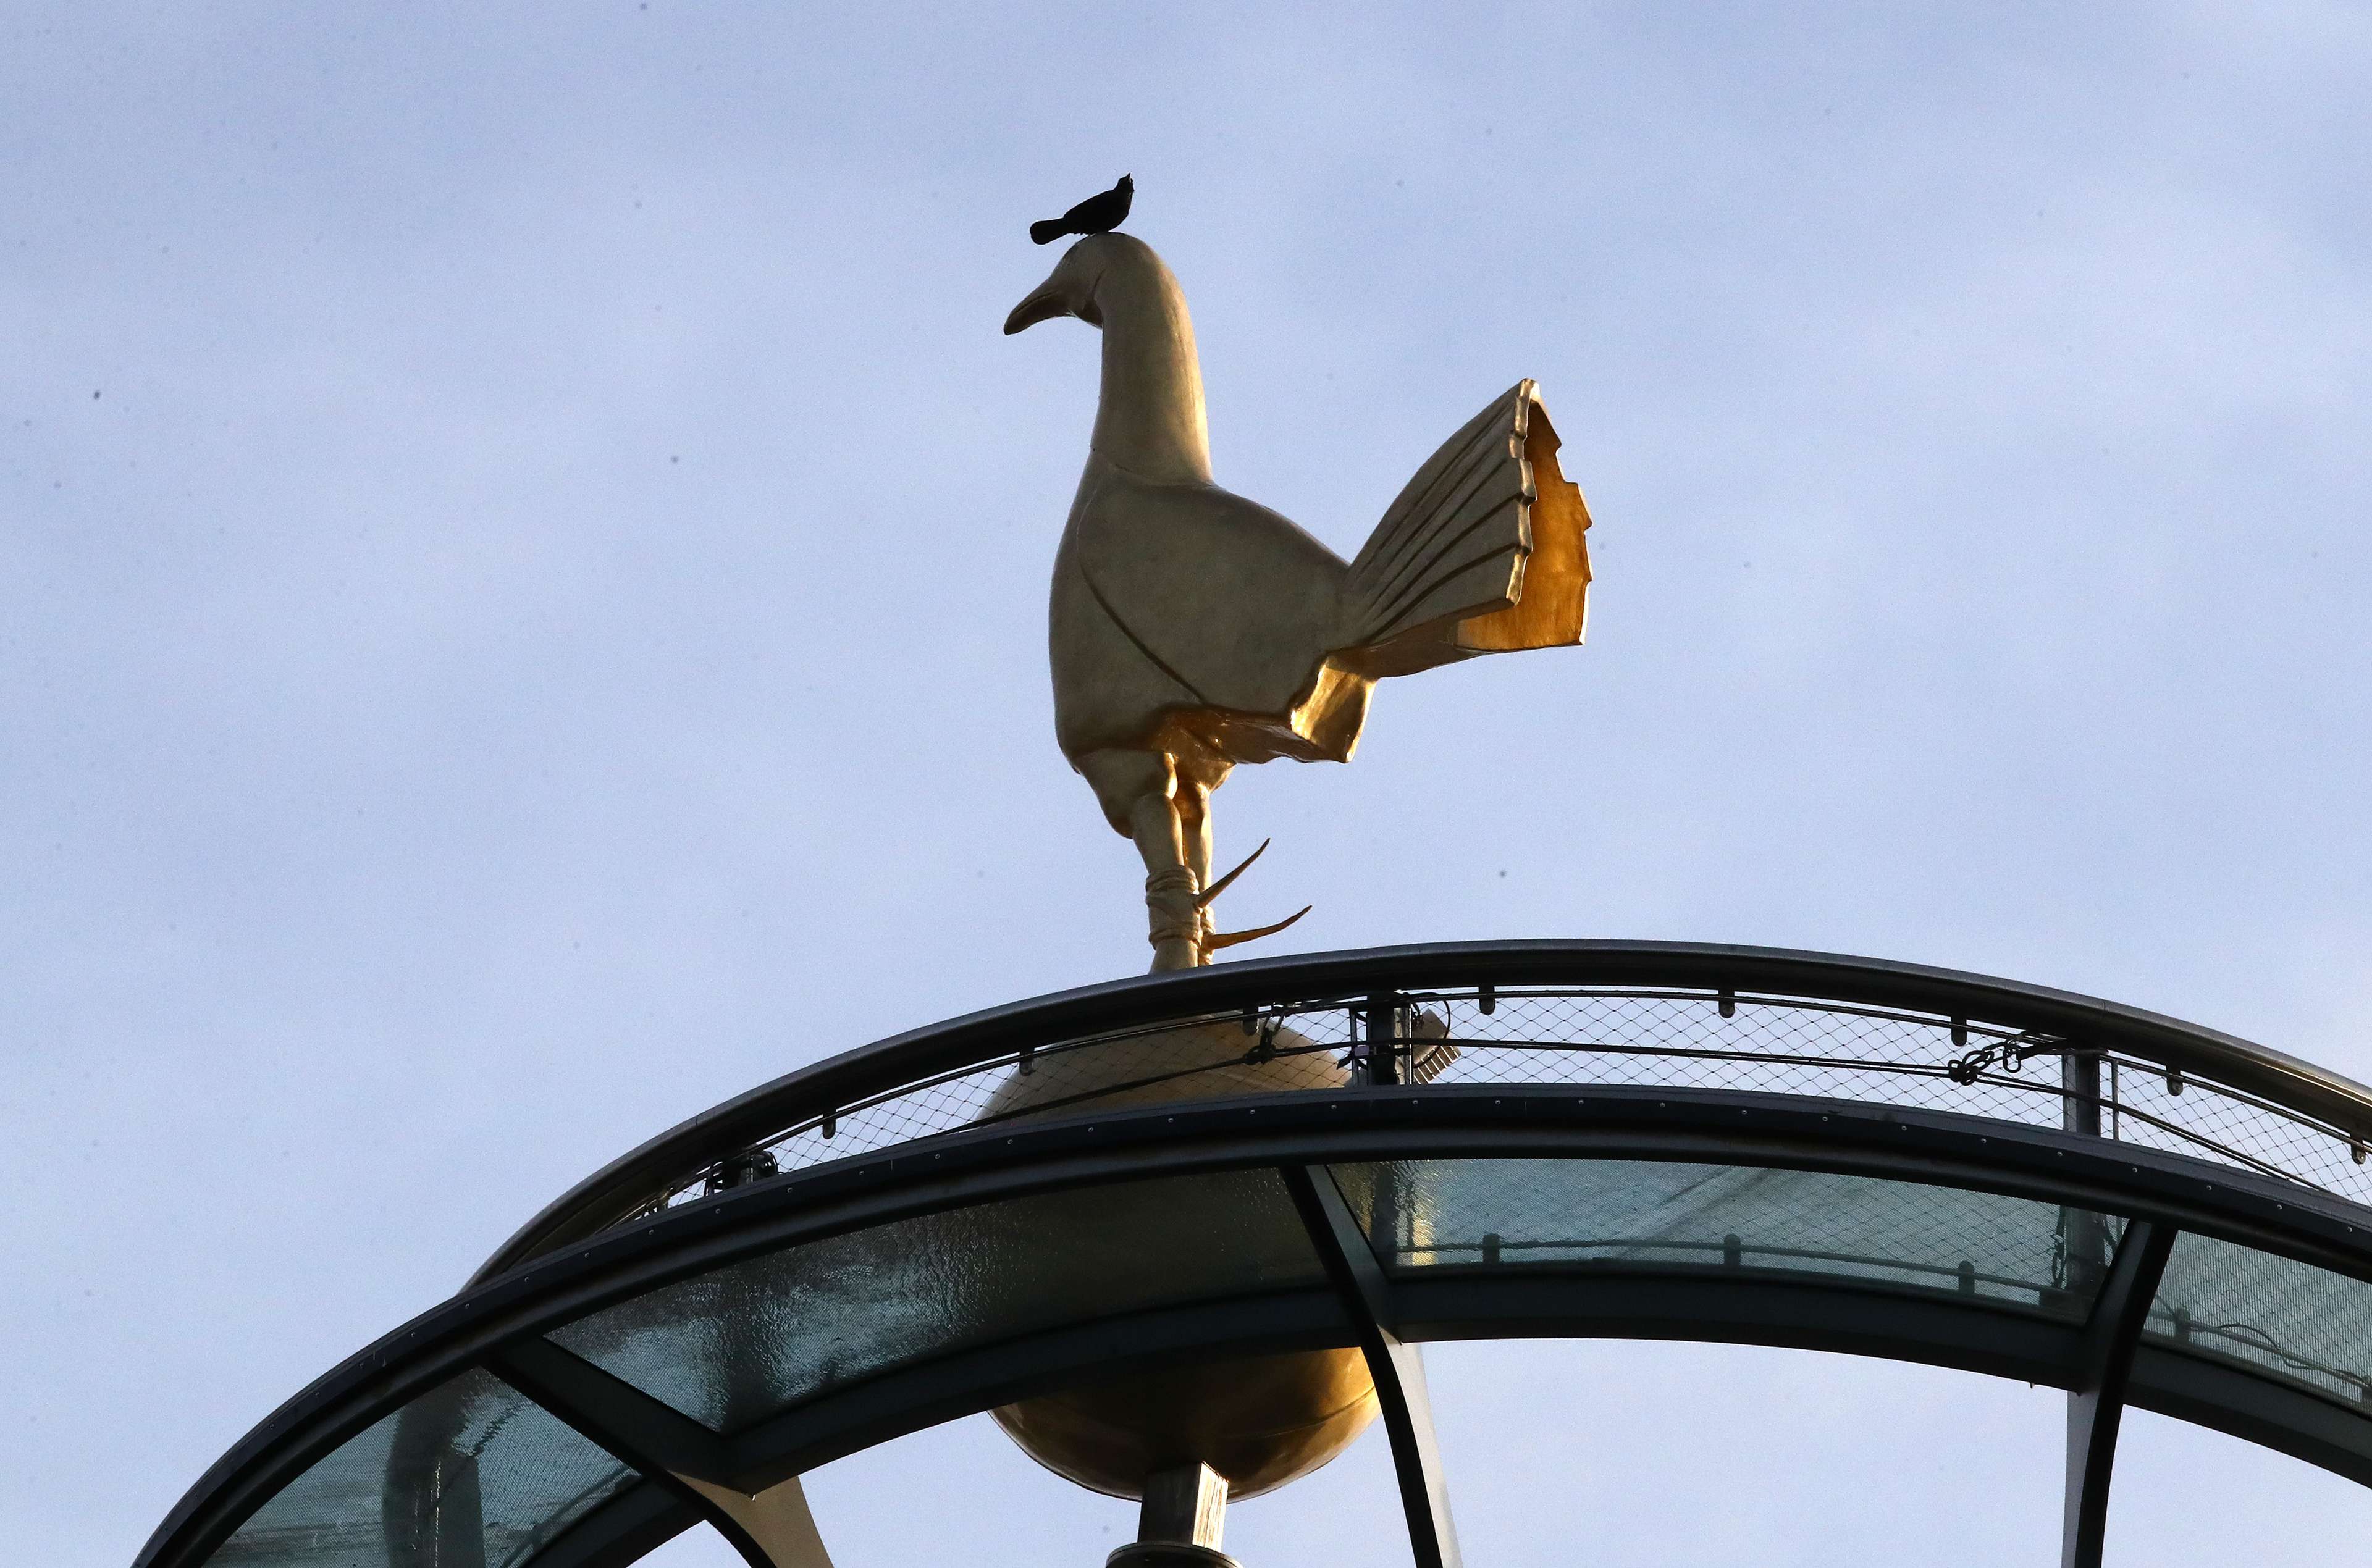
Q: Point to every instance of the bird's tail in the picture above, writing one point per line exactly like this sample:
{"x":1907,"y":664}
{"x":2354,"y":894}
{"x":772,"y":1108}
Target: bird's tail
{"x":1045,"y":231}
{"x":1483,"y":551}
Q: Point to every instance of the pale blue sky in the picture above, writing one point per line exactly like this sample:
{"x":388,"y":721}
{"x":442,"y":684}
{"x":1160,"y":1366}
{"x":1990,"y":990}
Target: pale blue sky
{"x":523,"y":559}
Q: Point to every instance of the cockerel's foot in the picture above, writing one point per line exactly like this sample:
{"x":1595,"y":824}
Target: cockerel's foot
{"x":1203,"y":900}
{"x":1173,"y":908}
{"x":1209,"y":937}
{"x":1214,"y":940}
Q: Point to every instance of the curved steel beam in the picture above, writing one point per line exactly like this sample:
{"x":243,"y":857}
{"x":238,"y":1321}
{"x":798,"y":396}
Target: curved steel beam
{"x":1710,"y":1304}
{"x":2096,"y":1404}
{"x":1396,"y":1366}
{"x":2226,"y":1396}
{"x":617,"y":1189}
{"x":626,"y":1528}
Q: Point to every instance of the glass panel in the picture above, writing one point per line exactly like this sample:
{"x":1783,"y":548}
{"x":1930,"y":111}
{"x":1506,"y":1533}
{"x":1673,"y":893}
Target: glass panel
{"x":2302,"y":1324}
{"x":1435,"y":1213}
{"x":470,"y":1475}
{"x":739,"y":1343}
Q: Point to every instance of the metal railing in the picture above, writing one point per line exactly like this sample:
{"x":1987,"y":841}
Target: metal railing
{"x":1536,"y":1014}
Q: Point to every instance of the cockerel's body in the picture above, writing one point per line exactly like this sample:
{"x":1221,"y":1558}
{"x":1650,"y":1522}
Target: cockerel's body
{"x":1240,"y":678}
{"x":1193,"y":629}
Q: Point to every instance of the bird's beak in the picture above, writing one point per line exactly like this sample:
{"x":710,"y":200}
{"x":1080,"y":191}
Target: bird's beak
{"x":1045,"y":302}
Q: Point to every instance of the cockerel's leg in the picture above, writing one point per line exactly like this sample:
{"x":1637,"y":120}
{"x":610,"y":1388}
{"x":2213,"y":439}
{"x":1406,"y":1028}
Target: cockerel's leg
{"x":1138,"y":792}
{"x":1192,"y":799}
{"x":1193,"y":804}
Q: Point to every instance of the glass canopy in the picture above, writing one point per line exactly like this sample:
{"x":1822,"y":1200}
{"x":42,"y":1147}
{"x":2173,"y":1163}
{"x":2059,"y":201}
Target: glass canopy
{"x":1434,"y":1154}
{"x":741,"y":1343}
{"x":1421,"y":1215}
{"x":475,"y":1474}
{"x":470,"y":1475}
{"x":2305,"y":1326}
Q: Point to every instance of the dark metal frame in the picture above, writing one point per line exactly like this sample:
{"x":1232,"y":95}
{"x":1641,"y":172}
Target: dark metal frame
{"x":626,"y":1185}
{"x":498,"y":1324}
{"x":1396,"y":1366}
{"x":2096,"y":1404}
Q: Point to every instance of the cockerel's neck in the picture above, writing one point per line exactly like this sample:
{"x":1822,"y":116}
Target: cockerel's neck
{"x":1150,"y":420}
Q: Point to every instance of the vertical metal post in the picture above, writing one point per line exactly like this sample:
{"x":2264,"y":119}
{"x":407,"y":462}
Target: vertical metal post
{"x":1380,"y":1021}
{"x":2079,"y":1075}
{"x":1385,"y":1014}
{"x":2086,"y":1242}
{"x":2095,"y":1404}
{"x":1189,"y":1504}
{"x":1181,"y":1522}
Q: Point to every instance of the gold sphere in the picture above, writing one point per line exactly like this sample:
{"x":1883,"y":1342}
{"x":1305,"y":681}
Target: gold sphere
{"x":1260,"y":1422}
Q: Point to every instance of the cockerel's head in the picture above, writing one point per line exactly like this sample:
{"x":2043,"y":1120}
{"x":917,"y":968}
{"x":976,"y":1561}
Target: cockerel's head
{"x":1070,"y":288}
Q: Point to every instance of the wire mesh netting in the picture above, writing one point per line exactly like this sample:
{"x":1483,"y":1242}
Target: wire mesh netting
{"x":1581,"y":1038}
{"x":2276,"y":1316}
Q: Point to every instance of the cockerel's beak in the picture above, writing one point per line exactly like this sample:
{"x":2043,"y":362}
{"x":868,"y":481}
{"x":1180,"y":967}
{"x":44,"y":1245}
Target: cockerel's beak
{"x":1044,"y":303}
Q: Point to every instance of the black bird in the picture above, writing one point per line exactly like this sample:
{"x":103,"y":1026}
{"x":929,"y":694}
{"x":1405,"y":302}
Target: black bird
{"x":1100,"y":213}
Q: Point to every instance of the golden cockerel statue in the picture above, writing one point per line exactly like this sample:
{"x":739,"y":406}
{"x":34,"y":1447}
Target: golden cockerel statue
{"x":1194,"y":629}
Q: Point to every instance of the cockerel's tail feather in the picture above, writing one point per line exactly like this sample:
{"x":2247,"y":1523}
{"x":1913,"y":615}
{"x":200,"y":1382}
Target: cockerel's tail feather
{"x":1482,"y":552}
{"x":1045,"y":231}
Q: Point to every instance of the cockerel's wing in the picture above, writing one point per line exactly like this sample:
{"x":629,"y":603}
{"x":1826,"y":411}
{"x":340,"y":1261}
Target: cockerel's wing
{"x":1233,"y":599}
{"x":1187,"y":605}
{"x":1482,"y":552}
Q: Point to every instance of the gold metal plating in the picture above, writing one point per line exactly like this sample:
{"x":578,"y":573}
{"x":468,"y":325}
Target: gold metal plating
{"x":1192,"y":630}
{"x":1259,"y":1422}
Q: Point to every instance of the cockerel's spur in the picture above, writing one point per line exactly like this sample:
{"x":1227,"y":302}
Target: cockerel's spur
{"x":1192,"y":630}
